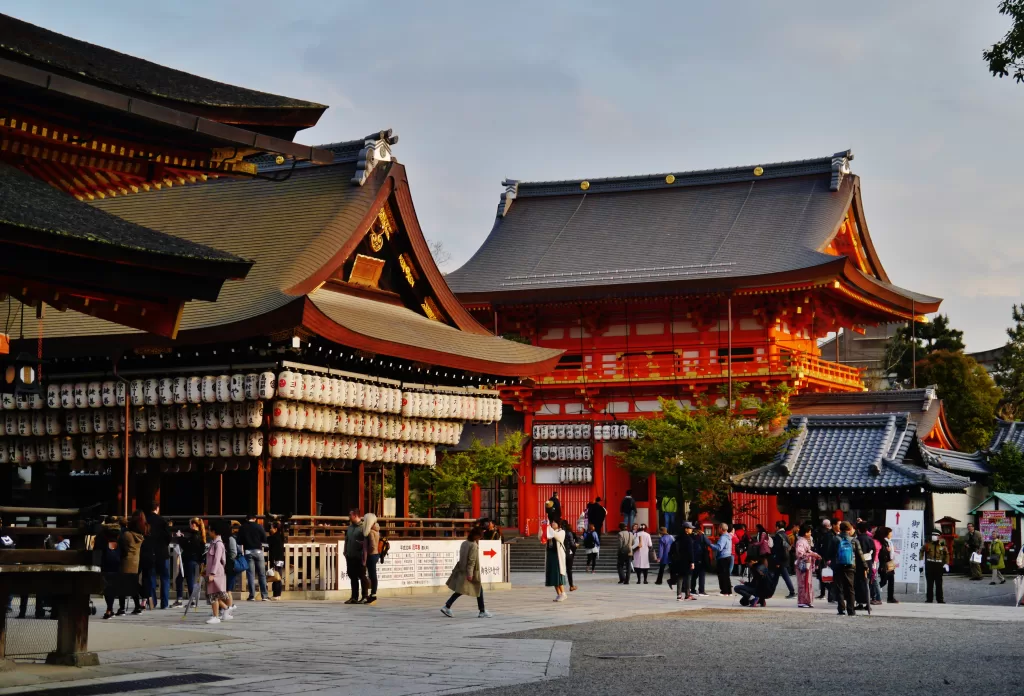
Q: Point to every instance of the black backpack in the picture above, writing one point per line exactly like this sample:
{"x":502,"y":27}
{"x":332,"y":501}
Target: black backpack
{"x":570,"y":541}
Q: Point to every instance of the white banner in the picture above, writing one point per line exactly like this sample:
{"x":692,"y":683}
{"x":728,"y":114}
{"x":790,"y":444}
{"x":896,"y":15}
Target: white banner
{"x":908,"y":537}
{"x":425,"y":563}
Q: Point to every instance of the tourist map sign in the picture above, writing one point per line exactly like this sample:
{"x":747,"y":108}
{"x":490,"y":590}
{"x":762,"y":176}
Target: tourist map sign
{"x":908,"y":538}
{"x":427,"y":562}
{"x":995,"y":524}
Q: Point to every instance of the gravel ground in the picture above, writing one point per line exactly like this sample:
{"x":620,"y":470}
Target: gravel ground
{"x":736,"y":651}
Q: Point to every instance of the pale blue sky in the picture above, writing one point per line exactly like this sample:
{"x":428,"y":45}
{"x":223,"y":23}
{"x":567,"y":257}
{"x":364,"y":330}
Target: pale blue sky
{"x":479,"y":91}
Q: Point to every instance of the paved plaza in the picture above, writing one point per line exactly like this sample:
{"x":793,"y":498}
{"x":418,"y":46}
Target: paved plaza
{"x":405,"y":646}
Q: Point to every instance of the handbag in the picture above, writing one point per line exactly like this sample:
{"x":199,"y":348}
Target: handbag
{"x":993,"y":559}
{"x":826,"y":575}
{"x":976,"y":557}
{"x":241,"y":565}
{"x":890,"y":566}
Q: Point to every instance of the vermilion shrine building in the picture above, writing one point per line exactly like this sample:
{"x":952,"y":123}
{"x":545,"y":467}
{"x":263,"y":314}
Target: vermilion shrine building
{"x":692,"y":286}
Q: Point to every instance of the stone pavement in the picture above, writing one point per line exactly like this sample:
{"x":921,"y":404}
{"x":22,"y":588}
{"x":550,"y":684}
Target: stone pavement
{"x":403,"y":645}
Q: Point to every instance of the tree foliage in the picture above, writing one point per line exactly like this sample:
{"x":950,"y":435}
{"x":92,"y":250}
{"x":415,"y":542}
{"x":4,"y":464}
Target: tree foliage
{"x":935,"y":335}
{"x":1010,"y":368}
{"x":968,"y":392}
{"x":1006,"y":56}
{"x":447,"y":486}
{"x":701,"y":449}
{"x":1008,"y":470}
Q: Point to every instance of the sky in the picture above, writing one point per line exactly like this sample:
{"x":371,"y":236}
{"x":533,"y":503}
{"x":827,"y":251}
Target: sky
{"x":481,"y":91}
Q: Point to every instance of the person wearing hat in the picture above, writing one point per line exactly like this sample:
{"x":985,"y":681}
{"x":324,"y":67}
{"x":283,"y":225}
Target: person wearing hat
{"x":681,"y":562}
{"x":554,"y":508}
{"x":936,"y":561}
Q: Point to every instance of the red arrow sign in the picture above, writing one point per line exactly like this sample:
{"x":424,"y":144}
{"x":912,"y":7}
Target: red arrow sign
{"x":492,"y":553}
{"x":897,"y":518}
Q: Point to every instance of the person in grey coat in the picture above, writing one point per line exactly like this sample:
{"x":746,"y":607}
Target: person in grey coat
{"x":355,"y":558}
{"x":465,"y":578}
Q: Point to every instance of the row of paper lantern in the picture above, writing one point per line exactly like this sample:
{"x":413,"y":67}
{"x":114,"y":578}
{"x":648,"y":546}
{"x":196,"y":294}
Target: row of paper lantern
{"x":238,"y":443}
{"x":561,"y":431}
{"x":284,"y":443}
{"x":618,"y":431}
{"x":143,"y":419}
{"x":237,"y":388}
{"x":324,"y":419}
{"x":562,"y":453}
{"x":575,"y":474}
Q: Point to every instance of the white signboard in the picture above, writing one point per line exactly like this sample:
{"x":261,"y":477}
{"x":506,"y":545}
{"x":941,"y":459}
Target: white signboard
{"x":908,"y":538}
{"x":426,"y":562}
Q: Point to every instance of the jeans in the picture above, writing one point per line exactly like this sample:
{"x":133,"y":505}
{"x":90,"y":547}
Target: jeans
{"x":723,"y":565}
{"x":479,"y":600}
{"x":257,"y":568}
{"x":876,"y":591}
{"x":843,"y":581}
{"x":661,"y":574}
{"x":371,"y":569}
{"x":191,"y":568}
{"x":622,"y":565}
{"x":933,"y":578}
{"x":697,"y":578}
{"x":629,"y":518}
{"x":357,"y":576}
{"x":784,"y":574}
{"x":149,"y":586}
{"x":668,"y":520}
{"x":164,"y":569}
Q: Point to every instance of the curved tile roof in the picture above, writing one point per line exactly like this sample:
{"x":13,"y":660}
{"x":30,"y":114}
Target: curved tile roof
{"x":972,"y":464}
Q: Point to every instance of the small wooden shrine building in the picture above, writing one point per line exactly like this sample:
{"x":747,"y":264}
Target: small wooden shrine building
{"x":342,"y":355}
{"x":697,"y":286}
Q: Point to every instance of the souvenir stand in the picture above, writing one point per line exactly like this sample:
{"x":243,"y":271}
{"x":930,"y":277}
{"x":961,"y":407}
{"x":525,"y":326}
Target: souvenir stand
{"x":684,"y":286}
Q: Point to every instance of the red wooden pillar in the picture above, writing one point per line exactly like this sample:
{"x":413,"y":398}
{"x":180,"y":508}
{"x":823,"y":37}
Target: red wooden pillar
{"x":598,"y":485}
{"x":652,"y":502}
{"x":475,"y":502}
{"x":312,"y":488}
{"x":260,"y":490}
{"x":361,"y":486}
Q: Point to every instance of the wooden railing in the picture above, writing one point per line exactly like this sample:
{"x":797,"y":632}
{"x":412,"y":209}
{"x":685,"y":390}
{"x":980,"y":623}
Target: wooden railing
{"x":677,"y":364}
{"x":310,"y":567}
{"x":332,"y":527}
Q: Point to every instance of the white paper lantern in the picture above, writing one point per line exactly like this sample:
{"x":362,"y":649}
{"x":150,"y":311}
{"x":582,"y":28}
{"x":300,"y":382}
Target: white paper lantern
{"x":197,"y":443}
{"x":155,"y":443}
{"x":319,"y":446}
{"x":8,"y":403}
{"x":276,"y":445}
{"x":140,"y":448}
{"x":315,"y":393}
{"x":238,"y":441}
{"x":179,"y":390}
{"x":181,"y":419}
{"x":225,"y":418}
{"x":10,"y":423}
{"x":169,"y":446}
{"x":151,"y":392}
{"x":182,"y":445}
{"x":84,"y":421}
{"x":135,"y":393}
{"x":165,"y":391}
{"x":222,"y":389}
{"x":211,"y":417}
{"x":114,"y":447}
{"x":209,"y":389}
{"x":168,"y":417}
{"x":194,"y":390}
{"x":196,"y":417}
{"x":153,"y":422}
{"x":210,"y":444}
{"x":53,"y":396}
{"x":99,"y":421}
{"x":254,"y":443}
{"x":236,"y":388}
{"x":251,"y":386}
{"x":267,"y":383}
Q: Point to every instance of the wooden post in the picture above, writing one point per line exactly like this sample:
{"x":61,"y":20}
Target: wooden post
{"x":312,"y":488}
{"x":598,"y":486}
{"x":5,"y":664}
{"x":268,"y":471}
{"x":259,"y":485}
{"x":475,"y":504}
{"x":72,"y":632}
{"x":403,"y":488}
{"x":361,"y":487}
{"x":220,"y":493}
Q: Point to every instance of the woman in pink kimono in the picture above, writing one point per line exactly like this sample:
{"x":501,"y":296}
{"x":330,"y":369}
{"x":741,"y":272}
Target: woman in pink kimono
{"x":216,"y":579}
{"x":806,"y":561}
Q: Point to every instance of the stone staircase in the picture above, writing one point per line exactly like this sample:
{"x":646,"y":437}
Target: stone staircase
{"x":526,"y":555}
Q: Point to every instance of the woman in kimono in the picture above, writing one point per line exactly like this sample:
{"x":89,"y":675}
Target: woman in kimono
{"x":806,"y":560}
{"x":554,"y":561}
{"x":642,"y":553}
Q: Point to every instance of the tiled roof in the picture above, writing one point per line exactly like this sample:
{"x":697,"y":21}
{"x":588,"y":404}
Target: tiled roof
{"x":1014,"y":501}
{"x":922,"y":405}
{"x":848,"y":453}
{"x":1007,"y":432}
{"x":106,"y":67}
{"x":972,"y":464}
{"x":53,"y":218}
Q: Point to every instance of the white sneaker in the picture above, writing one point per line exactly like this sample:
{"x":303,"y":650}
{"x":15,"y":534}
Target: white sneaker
{"x":227,"y":616}
{"x":485,"y":615}
{"x":447,"y":612}
{"x":213,"y":620}
{"x":679,"y":599}
{"x":702,"y":594}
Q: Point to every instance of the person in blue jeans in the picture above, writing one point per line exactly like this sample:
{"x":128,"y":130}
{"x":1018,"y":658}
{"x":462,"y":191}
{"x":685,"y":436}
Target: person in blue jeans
{"x":160,"y":539}
{"x":628,"y":509}
{"x":252,"y":537}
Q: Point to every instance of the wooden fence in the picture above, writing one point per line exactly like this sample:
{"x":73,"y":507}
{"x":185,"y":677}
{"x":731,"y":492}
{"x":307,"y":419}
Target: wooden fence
{"x":310,"y":567}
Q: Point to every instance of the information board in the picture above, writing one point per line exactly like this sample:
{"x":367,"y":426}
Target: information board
{"x":995,"y":524}
{"x":908,"y":537}
{"x":426,"y":562}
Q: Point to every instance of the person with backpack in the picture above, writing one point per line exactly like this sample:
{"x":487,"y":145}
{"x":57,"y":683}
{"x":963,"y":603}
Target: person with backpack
{"x":592,"y":547}
{"x":234,"y":563}
{"x":624,"y":553}
{"x":110,"y":566}
{"x":628,"y":509}
{"x":662,"y":556}
{"x":217,"y":592}
{"x":780,"y":557}
{"x":571,"y":544}
{"x":847,"y":563}
{"x":681,"y":562}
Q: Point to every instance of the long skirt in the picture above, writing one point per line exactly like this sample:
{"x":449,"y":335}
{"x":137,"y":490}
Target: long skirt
{"x":804,"y":587}
{"x":552,"y":576}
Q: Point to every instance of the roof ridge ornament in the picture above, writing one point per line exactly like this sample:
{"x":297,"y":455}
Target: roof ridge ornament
{"x":376,"y":148}
{"x":840,"y":168}
{"x":505,"y":202}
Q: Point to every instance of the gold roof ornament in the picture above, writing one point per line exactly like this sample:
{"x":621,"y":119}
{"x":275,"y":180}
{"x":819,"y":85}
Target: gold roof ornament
{"x":670,"y":179}
{"x":758,"y":171}
{"x":584,"y":185}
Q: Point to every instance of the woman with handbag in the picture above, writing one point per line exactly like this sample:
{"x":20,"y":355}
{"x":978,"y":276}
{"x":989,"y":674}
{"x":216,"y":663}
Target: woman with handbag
{"x":997,"y":560}
{"x":465,"y":578}
{"x":886,"y":562}
{"x":275,"y":542}
{"x":554,"y":560}
{"x":806,"y":560}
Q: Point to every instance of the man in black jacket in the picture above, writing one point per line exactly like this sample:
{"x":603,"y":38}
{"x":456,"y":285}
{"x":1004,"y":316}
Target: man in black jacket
{"x":555,"y":509}
{"x":848,"y":564}
{"x":628,"y":509}
{"x":681,"y":562}
{"x":160,"y":536}
{"x":700,"y":562}
{"x":251,"y":537}
{"x":780,"y":557}
{"x":596,"y":514}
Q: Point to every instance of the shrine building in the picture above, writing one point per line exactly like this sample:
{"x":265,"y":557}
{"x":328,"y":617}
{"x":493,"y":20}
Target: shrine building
{"x":703,"y":287}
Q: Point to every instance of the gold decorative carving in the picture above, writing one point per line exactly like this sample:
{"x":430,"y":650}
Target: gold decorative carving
{"x":431,"y":310}
{"x":385,"y":222}
{"x":407,"y":269}
{"x":376,"y":241}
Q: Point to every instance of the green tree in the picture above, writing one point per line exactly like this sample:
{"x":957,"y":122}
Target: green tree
{"x":699,"y":450}
{"x":1007,"y":55}
{"x":1010,"y":367}
{"x":968,"y":393}
{"x":932,"y":336}
{"x":447,"y":486}
{"x":1008,"y":470}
